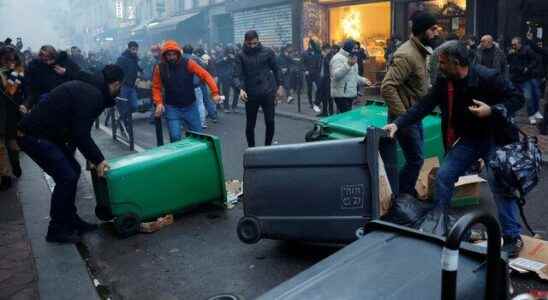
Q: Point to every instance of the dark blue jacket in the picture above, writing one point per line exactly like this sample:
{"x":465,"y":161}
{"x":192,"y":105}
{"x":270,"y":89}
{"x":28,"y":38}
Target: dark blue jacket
{"x":130,"y":64}
{"x":481,"y":84}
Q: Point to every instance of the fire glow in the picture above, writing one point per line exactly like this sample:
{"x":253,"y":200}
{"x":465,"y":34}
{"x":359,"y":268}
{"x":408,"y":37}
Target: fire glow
{"x":351,"y":23}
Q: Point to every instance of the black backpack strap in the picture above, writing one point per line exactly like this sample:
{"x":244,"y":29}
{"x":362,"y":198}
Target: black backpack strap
{"x":521,"y":204}
{"x":164,"y":72}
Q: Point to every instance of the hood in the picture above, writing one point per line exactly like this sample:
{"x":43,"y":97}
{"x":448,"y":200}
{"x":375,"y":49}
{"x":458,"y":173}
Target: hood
{"x":170,"y":45}
{"x":98,"y":81}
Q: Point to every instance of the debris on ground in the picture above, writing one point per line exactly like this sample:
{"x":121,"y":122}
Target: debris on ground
{"x":234,"y":190}
{"x":150,"y":227}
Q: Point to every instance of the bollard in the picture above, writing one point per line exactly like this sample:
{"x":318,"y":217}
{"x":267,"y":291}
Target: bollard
{"x":159,"y":131}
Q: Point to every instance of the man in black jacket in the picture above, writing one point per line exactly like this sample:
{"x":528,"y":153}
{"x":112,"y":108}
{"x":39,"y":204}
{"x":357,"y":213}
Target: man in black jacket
{"x":324,"y":89}
{"x":225,"y":72}
{"x":312,"y":62}
{"x":524,"y":64}
{"x":129,"y":62}
{"x":67,"y":118}
{"x":259,"y":80}
{"x":48,"y":71}
{"x":474,"y":102}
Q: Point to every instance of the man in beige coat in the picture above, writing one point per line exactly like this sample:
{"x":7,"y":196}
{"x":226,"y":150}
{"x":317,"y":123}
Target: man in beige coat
{"x":405,"y":83}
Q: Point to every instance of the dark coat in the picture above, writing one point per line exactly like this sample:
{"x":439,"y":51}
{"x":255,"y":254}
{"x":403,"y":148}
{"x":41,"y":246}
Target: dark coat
{"x":499,"y":60}
{"x":68,"y":116}
{"x":225,"y":68}
{"x":482,"y":84}
{"x":130,"y":65}
{"x":312,"y":62}
{"x":257,"y":71}
{"x":42,"y":78}
{"x":523,"y":65}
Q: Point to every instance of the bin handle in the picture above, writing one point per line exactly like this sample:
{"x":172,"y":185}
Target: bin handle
{"x":450,"y":255}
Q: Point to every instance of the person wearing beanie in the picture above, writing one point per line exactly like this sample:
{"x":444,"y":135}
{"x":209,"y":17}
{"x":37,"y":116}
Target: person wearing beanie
{"x":66,"y":119}
{"x":406,"y":81}
{"x":345,"y":77}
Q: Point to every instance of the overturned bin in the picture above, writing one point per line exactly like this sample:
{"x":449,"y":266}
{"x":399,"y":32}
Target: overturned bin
{"x":315,"y":192}
{"x":171,"y":178}
{"x":354,"y":124}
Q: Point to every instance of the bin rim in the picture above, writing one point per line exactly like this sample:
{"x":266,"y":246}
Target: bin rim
{"x":219,"y":158}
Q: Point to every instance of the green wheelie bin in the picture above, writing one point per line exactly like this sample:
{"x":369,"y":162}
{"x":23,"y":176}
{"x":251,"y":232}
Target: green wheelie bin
{"x":168,"y":179}
{"x":354,"y":124}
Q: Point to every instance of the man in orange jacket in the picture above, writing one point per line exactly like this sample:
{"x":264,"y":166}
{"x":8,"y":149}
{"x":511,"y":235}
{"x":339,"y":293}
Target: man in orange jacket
{"x":174,"y":76}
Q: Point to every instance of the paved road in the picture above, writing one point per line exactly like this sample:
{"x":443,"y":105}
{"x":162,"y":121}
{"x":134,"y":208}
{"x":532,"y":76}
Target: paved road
{"x":200,"y":255}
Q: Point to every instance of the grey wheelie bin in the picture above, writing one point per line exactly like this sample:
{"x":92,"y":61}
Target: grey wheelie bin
{"x":314,"y":192}
{"x":392,"y":262}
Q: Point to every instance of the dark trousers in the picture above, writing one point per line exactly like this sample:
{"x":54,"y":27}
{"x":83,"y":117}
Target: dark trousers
{"x":343,"y":104}
{"x":411,"y":141}
{"x":324,"y":95}
{"x":58,"y":162}
{"x":226,"y":88}
{"x":251,"y":109}
{"x":312,"y":79}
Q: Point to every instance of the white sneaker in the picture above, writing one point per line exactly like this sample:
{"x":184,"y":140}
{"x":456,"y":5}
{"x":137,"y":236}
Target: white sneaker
{"x":290,"y":99}
{"x":538,"y":115}
{"x":316,"y":109}
{"x":532,"y":120}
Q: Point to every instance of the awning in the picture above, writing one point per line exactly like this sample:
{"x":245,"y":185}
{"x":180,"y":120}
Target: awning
{"x":138,"y":28}
{"x":169,"y":23}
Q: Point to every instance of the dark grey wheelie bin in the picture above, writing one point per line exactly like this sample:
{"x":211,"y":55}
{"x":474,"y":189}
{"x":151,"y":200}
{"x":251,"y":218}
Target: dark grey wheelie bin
{"x":314,"y":192}
{"x":393,"y":262}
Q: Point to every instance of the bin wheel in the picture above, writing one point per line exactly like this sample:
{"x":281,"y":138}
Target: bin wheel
{"x":313,"y":134}
{"x":103,"y":213}
{"x":127,"y":225}
{"x":249,"y":230}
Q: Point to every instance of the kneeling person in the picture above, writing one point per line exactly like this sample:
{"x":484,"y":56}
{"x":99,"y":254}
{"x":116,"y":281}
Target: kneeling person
{"x":47,"y":133}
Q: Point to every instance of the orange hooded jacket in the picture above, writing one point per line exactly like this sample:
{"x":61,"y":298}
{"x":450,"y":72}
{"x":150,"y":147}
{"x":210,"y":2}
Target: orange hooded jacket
{"x":192,"y":68}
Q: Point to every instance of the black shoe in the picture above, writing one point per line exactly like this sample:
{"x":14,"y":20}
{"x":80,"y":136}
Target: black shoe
{"x":5,"y":183}
{"x":62,"y":234}
{"x":82,"y":226}
{"x":512,"y":246}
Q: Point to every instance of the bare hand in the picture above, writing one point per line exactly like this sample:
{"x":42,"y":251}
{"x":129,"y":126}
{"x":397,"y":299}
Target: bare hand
{"x":23,"y":109}
{"x":480,"y":109}
{"x":59,"y":70}
{"x":243,"y":96}
{"x":217,"y":99}
{"x":352,"y":60}
{"x":368,"y":82}
{"x":159,"y":110}
{"x":391,"y":129}
{"x":280,"y":93}
{"x":102,"y":168}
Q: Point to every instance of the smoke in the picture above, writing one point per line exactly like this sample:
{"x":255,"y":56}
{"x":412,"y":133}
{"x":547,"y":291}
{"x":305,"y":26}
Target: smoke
{"x":37,"y":22}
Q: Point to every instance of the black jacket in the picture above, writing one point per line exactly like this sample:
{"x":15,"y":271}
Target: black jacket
{"x":312,"y":62}
{"x":225,"y":68}
{"x":68,"y":115}
{"x":523,"y":65}
{"x":482,"y":84}
{"x":542,"y":57}
{"x":130,"y":65}
{"x":42,"y":78}
{"x":257,"y":72}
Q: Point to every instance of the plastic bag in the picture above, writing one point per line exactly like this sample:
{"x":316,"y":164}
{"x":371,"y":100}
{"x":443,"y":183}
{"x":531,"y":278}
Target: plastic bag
{"x":437,"y":221}
{"x":406,"y":211}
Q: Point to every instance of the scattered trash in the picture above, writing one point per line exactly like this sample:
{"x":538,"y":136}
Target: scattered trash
{"x":234,"y":190}
{"x":532,"y":258}
{"x":161,"y":222}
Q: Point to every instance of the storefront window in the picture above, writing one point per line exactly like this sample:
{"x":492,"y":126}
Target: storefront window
{"x":367,"y":23}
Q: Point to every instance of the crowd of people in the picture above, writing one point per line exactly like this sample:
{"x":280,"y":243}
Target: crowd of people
{"x":50,"y":99}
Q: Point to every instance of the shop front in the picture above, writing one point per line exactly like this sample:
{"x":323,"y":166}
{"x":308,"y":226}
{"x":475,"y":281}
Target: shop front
{"x":451,"y":14}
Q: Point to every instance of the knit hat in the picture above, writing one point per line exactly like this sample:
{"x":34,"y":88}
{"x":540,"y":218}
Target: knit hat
{"x":421,"y":22}
{"x":349,"y":45}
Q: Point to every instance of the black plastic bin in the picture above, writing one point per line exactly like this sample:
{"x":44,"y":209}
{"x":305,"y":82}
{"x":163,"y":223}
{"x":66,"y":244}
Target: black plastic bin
{"x":314,"y":192}
{"x":393,"y":262}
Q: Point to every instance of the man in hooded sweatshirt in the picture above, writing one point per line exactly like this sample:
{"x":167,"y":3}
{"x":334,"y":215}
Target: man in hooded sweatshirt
{"x":129,"y":62}
{"x":259,"y":80}
{"x":174,"y":75}
{"x":67,"y":118}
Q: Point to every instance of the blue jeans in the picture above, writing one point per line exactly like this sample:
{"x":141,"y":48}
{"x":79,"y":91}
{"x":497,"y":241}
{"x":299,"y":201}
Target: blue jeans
{"x":210,"y":107}
{"x":457,"y":162}
{"x":177,"y":116}
{"x":531,"y":92}
{"x":411,"y":141}
{"x":130,"y":102}
{"x":57,"y":161}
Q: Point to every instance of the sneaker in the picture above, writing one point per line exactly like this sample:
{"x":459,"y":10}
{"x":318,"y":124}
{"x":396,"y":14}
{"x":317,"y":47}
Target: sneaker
{"x":538,"y":115}
{"x":82,"y":226}
{"x":215,"y":120}
{"x":228,"y":110}
{"x":290,"y":99}
{"x":512,"y":246}
{"x":532,"y":120}
{"x":316,"y":108}
{"x":62,"y":234}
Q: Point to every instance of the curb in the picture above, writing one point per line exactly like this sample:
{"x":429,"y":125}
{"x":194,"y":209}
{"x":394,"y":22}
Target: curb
{"x":288,"y":115}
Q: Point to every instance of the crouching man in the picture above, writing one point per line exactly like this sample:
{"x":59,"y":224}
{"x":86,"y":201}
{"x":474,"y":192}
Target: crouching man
{"x":49,"y":132}
{"x":473,"y":100}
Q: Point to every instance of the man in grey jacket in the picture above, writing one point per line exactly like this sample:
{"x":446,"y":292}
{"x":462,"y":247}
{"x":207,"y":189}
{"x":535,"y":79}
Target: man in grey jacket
{"x":345,"y":77}
{"x":491,"y":56}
